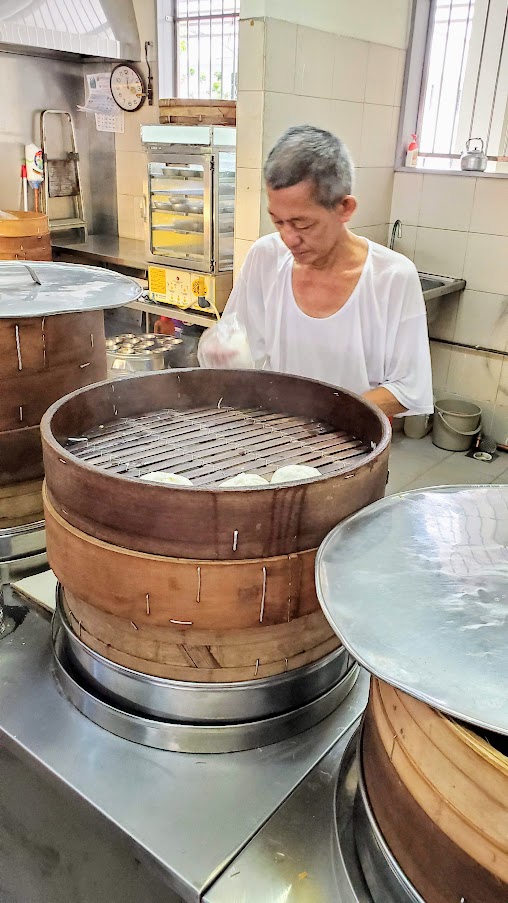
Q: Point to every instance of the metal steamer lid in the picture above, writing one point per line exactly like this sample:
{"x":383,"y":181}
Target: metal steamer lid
{"x":40,"y":289}
{"x":416,"y":587}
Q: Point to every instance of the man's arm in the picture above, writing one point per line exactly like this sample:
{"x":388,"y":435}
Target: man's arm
{"x":385,"y":400}
{"x":247,"y":304}
{"x":407,"y":383}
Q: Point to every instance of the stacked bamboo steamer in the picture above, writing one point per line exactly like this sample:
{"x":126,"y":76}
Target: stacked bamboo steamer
{"x":196,"y":584}
{"x":439,"y":793}
{"x":26,"y":237}
{"x":427,"y":571}
{"x":51,"y":342}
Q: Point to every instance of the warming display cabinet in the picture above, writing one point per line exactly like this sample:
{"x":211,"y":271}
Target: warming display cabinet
{"x":190,"y":207}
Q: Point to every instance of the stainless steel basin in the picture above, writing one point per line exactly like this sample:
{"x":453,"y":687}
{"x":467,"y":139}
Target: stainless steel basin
{"x":435,"y":286}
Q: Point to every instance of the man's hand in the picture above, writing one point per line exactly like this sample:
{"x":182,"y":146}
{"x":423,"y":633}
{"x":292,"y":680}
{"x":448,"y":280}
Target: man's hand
{"x":219,"y":358}
{"x":384,"y":399}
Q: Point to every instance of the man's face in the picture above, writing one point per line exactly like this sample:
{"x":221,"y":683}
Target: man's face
{"x":308,"y":229}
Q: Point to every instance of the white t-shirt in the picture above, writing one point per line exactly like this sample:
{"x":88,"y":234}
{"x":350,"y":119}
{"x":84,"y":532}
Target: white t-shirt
{"x":378,"y":338}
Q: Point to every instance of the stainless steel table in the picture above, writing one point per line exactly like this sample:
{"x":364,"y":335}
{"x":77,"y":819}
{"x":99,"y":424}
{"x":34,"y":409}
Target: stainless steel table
{"x":100,"y":248}
{"x":87,"y":816}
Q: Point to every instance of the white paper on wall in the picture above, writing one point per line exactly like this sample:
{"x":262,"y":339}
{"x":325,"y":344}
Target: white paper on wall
{"x":99,"y":97}
{"x":105,"y":122}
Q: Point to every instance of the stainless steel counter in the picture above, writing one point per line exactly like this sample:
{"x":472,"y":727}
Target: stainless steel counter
{"x":306,"y":852}
{"x":187,"y":815}
{"x":108,"y":249}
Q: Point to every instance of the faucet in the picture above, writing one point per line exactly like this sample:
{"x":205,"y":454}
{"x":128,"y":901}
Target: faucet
{"x":396,"y":232}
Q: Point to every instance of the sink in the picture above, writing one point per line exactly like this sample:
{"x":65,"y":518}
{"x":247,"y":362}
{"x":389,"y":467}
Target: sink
{"x":428,"y":284}
{"x":435,"y":286}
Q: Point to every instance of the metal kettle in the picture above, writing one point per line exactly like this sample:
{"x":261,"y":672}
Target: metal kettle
{"x":474,"y":160}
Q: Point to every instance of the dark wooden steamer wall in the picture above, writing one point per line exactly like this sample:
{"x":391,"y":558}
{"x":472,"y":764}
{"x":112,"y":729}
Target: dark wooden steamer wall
{"x":195,"y":583}
{"x":41,"y":359}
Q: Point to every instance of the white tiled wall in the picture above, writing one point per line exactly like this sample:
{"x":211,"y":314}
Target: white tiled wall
{"x":458,"y":226}
{"x":130,"y":157}
{"x":291,"y":74}
{"x":372,"y":20}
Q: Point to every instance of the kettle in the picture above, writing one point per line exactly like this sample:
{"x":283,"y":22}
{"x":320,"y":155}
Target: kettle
{"x":474,"y":160}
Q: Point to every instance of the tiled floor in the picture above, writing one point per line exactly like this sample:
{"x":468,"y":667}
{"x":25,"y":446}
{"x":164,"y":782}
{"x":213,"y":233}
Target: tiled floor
{"x":416,"y":463}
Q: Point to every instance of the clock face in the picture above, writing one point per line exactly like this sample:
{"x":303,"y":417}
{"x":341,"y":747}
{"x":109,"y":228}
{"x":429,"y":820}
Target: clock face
{"x":127,"y":88}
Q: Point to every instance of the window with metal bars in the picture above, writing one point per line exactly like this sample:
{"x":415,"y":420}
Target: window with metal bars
{"x":463,"y":92}
{"x":206,"y":48}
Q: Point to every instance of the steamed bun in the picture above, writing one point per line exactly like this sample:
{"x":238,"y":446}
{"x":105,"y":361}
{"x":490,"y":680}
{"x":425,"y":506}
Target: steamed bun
{"x":171,"y":479}
{"x":244,"y":479}
{"x":292,"y":473}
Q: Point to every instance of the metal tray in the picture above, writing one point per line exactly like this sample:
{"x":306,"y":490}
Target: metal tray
{"x":416,"y":587}
{"x":204,"y":703}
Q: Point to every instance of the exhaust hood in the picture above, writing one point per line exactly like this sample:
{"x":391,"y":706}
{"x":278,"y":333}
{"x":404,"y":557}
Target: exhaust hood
{"x":105,"y":29}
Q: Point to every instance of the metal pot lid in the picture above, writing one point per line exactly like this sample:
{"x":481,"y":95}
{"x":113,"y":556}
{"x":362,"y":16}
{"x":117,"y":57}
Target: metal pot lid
{"x":416,"y":587}
{"x":36,"y":289}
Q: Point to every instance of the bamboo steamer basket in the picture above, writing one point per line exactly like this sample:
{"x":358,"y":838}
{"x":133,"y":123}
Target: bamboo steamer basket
{"x":426,"y":612}
{"x":203,"y":656}
{"x":25,"y":238}
{"x":42,"y":357}
{"x":439,"y":793}
{"x":203,"y":583}
{"x":20,"y":504}
{"x":104,"y":497}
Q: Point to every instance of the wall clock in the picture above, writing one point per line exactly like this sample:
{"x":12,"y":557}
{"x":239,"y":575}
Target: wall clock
{"x":128,"y":88}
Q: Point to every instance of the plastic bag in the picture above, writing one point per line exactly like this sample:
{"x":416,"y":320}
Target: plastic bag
{"x":225,"y":346}
{"x":5,"y":215}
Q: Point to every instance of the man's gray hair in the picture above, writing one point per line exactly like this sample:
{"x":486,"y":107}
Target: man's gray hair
{"x":306,"y":153}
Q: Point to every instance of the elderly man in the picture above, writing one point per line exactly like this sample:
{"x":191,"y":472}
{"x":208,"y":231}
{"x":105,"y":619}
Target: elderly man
{"x":317,"y":300}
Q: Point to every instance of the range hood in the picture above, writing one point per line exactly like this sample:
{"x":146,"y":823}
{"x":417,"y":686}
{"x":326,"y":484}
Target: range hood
{"x":105,"y":29}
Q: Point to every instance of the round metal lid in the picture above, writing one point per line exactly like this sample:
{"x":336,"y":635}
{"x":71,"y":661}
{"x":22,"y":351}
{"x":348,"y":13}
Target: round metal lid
{"x":39,"y":289}
{"x":416,"y":587}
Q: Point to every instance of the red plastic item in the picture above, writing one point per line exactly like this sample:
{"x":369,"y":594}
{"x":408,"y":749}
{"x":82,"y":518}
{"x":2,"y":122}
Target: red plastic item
{"x":164,"y":326}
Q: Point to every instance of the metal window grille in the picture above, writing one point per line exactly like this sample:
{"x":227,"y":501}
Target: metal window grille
{"x":206,"y":38}
{"x":465,"y":85}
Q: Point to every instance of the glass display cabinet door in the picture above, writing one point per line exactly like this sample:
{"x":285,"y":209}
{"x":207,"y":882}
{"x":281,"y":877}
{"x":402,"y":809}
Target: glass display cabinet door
{"x":224,"y":210}
{"x":179,"y":199}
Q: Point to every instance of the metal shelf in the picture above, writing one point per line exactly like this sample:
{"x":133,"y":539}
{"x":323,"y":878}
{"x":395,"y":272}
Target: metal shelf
{"x":189,"y":317}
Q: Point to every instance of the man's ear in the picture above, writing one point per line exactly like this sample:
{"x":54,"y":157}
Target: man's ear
{"x":346,"y":208}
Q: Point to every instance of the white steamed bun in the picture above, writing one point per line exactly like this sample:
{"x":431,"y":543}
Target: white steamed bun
{"x":292,"y":473}
{"x":244,"y":479}
{"x":170,"y":479}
